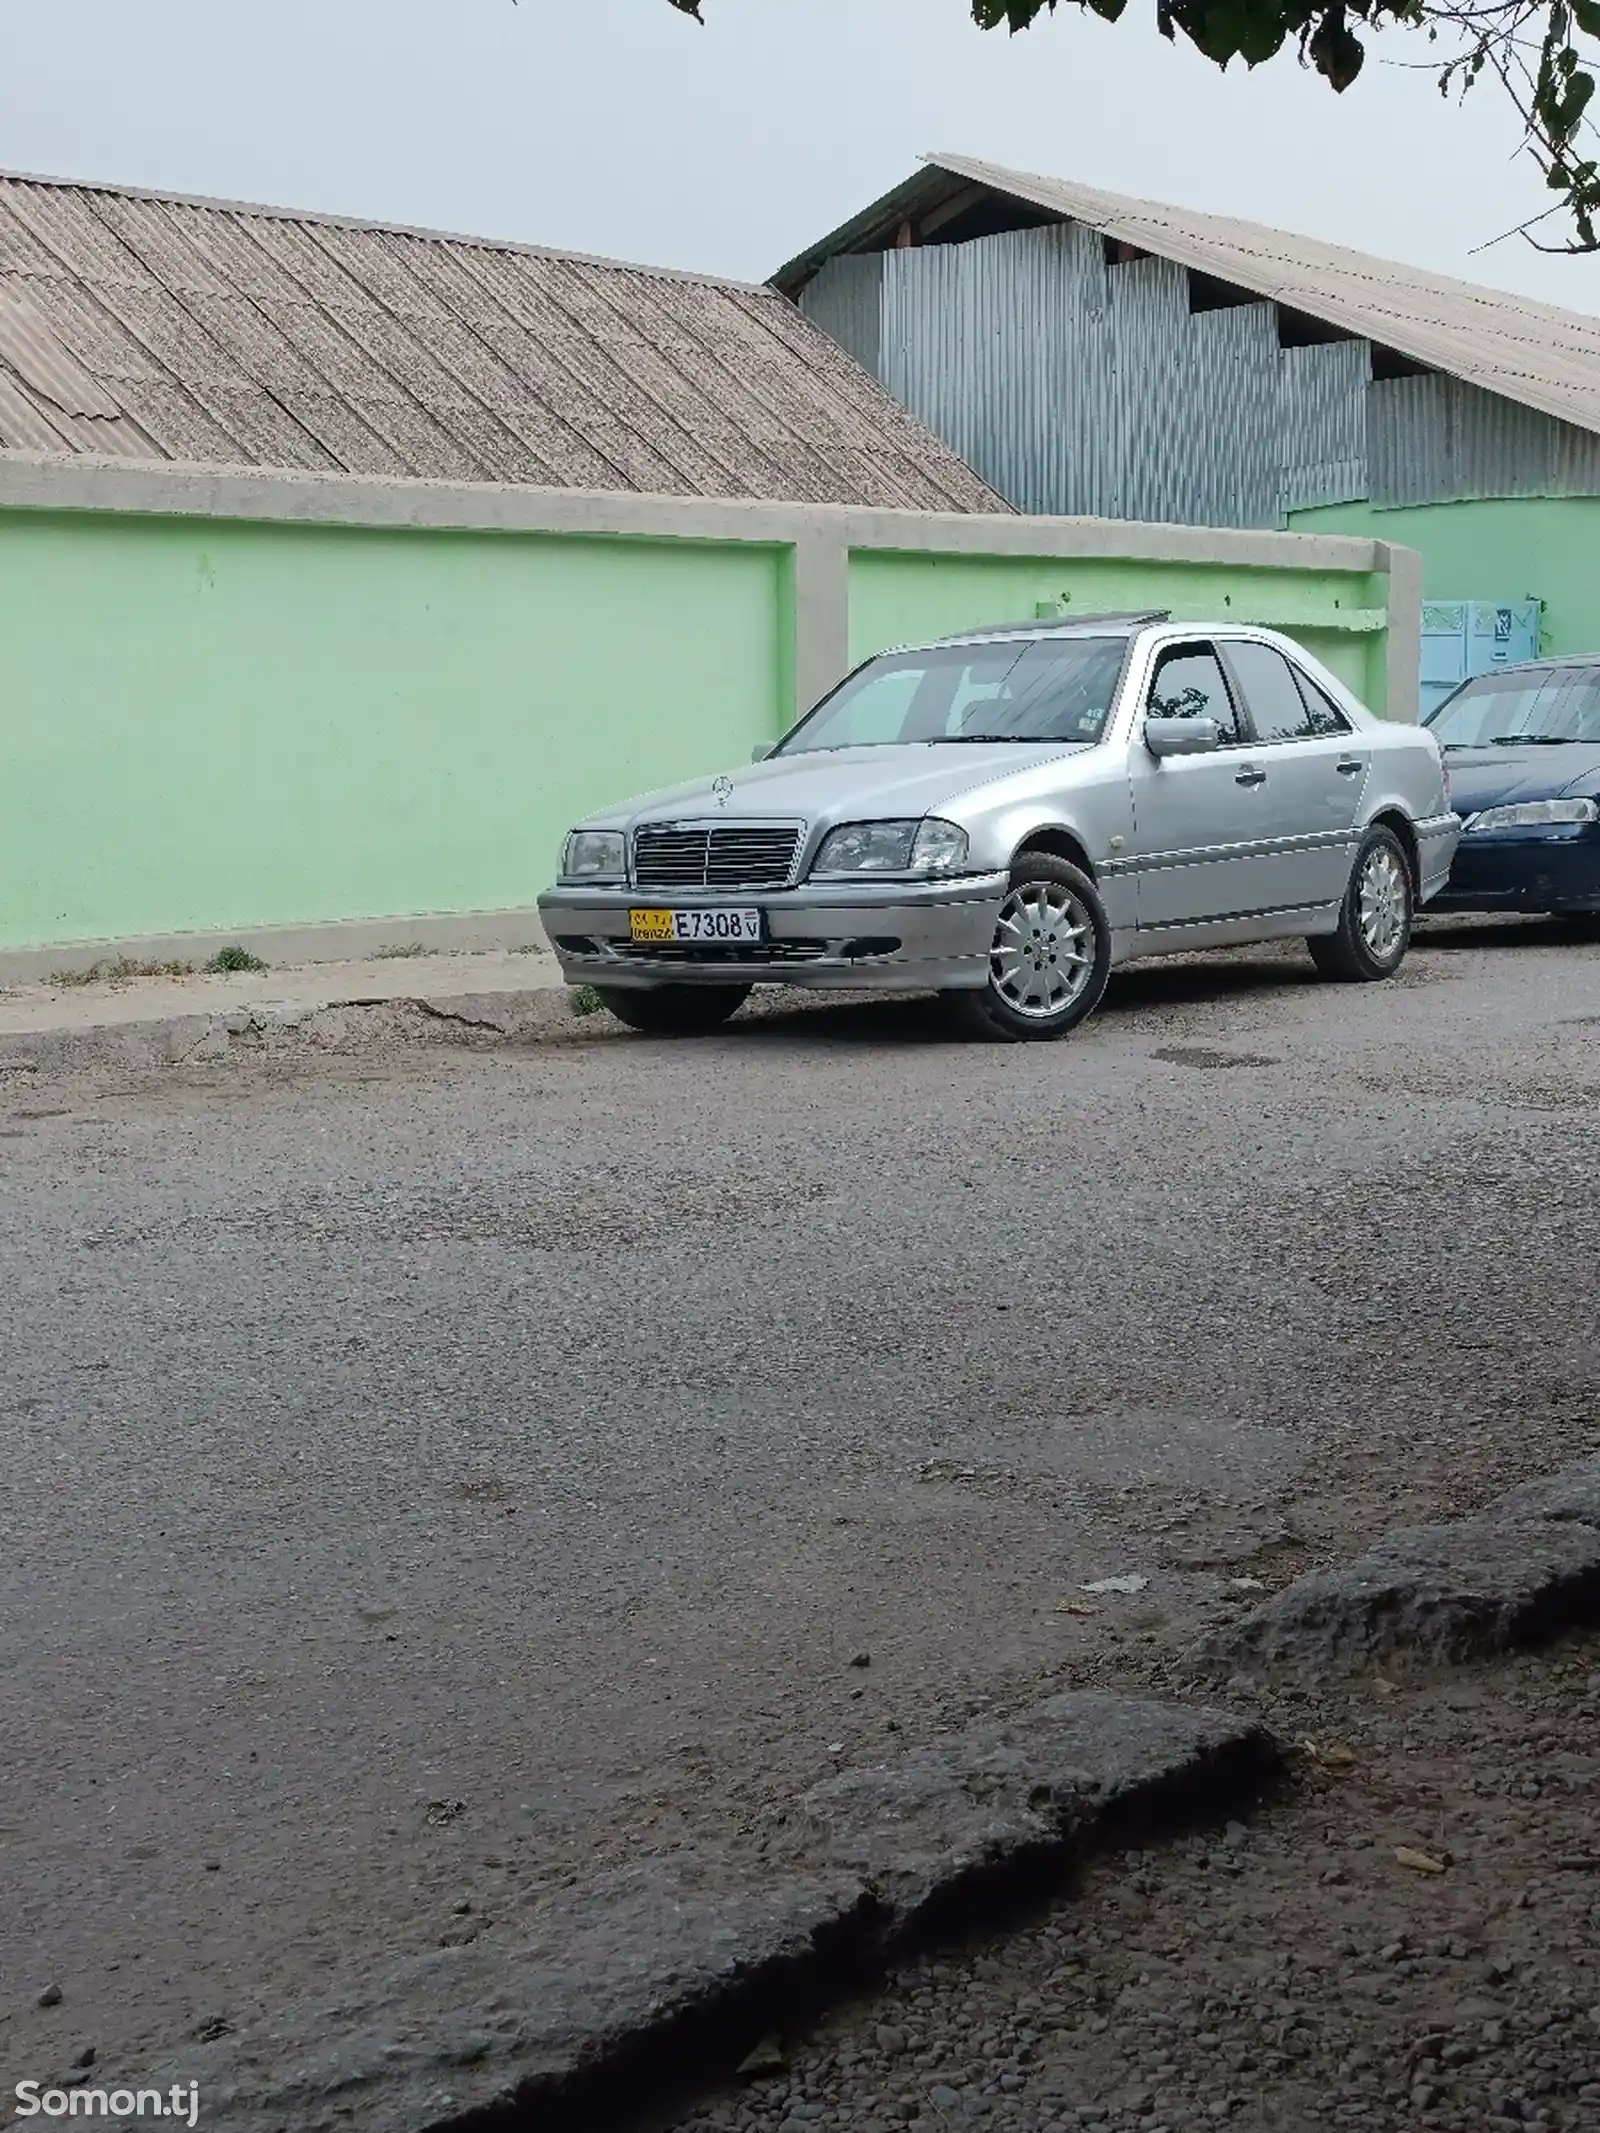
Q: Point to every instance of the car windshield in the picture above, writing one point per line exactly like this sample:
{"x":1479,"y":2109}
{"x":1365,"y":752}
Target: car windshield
{"x":1019,"y":689}
{"x":1525,"y":709}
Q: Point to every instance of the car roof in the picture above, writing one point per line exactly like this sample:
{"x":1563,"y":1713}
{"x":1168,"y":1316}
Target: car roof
{"x":1063,"y":626}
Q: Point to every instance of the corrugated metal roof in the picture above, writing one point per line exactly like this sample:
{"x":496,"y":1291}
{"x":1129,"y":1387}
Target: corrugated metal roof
{"x":160,"y":327}
{"x":1532,"y":353}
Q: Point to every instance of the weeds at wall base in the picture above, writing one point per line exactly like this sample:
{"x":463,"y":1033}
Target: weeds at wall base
{"x":117,"y":970}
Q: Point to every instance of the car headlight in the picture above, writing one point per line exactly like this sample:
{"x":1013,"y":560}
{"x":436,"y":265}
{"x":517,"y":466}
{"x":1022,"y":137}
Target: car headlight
{"x":595,"y":855}
{"x":1534,"y":814}
{"x":940,"y":847}
{"x":931,"y":846}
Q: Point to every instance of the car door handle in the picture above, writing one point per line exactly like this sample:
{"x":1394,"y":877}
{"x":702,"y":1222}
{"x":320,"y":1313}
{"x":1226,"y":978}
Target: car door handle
{"x":1249,"y":777}
{"x":1349,"y":767}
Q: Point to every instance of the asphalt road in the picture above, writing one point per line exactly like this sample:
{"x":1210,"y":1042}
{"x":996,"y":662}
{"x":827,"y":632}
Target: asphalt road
{"x":427,"y":1474}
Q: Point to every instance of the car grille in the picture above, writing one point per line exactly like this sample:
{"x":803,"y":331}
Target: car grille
{"x":753,"y":855}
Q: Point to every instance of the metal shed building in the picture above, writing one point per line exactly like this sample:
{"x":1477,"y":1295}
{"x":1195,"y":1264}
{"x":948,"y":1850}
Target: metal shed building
{"x":1091,"y":353}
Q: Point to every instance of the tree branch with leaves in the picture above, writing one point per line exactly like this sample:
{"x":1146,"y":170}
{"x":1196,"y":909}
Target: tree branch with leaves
{"x":1534,"y":49}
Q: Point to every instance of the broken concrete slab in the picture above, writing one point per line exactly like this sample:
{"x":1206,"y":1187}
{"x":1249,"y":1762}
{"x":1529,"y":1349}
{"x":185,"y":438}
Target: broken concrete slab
{"x":1005,"y":1803}
{"x":634,"y":1982}
{"x":174,"y":1013}
{"x":624,"y":1975}
{"x":1440,"y":1593}
{"x":271,"y":1027}
{"x":924,"y":1832}
{"x":1572,"y":1495}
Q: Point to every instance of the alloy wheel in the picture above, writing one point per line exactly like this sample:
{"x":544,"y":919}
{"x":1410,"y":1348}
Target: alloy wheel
{"x":1043,"y":951}
{"x":1382,"y":902}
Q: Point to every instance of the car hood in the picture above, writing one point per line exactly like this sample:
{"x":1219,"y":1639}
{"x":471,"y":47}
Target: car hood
{"x":1496,"y":777}
{"x":842,"y":784}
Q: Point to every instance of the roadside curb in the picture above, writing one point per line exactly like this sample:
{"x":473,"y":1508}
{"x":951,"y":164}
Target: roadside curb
{"x":336,"y":1025}
{"x":1517,"y":1575}
{"x":639,"y":1980}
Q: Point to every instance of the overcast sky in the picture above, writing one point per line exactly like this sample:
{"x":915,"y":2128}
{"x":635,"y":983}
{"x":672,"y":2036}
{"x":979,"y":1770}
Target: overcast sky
{"x":618,"y":127}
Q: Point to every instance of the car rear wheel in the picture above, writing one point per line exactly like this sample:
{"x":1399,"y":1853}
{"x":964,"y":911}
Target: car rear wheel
{"x":673,"y":1010}
{"x":1049,"y":958}
{"x":1374,"y":928}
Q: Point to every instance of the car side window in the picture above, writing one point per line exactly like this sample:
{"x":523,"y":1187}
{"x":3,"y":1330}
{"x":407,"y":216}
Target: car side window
{"x":1189,"y":683}
{"x":1284,"y":704}
{"x":1323,"y":715}
{"x":1271,"y":693}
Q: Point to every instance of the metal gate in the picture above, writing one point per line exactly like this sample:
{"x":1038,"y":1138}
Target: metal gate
{"x":1465,"y":637}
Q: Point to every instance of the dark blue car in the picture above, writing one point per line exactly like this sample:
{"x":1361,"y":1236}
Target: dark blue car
{"x":1522,"y":754}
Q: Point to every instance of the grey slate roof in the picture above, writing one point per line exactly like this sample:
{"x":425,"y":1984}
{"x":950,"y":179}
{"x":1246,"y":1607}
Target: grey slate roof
{"x":155,"y":327}
{"x":1536,"y":354}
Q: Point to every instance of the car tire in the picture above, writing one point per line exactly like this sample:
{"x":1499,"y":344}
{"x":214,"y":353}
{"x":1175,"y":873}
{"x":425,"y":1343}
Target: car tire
{"x":1375,"y":919}
{"x":1052,"y":909}
{"x":673,"y":1010}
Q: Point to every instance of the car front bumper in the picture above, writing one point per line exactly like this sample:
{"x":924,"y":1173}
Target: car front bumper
{"x":1556,"y":869}
{"x":872,"y":937}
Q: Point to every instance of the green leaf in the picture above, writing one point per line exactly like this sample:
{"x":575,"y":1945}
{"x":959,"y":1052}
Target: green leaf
{"x":1335,"y":50}
{"x":1576,"y":101}
{"x":1014,"y":14}
{"x":1586,"y":13}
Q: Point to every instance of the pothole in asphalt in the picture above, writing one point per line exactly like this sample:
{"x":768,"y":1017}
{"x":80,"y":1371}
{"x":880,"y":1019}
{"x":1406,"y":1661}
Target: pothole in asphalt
{"x":1200,"y":1055}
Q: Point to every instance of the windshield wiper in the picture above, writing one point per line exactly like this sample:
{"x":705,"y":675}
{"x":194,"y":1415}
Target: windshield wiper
{"x":1033,"y":740}
{"x":1532,"y":740}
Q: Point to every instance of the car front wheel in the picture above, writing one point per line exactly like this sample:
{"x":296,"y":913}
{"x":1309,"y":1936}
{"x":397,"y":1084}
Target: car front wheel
{"x":1374,"y":929}
{"x":1049,"y":958}
{"x":673,"y":1010}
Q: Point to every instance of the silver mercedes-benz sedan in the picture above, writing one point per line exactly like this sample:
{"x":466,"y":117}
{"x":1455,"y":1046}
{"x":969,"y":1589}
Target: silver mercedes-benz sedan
{"x":1005,"y":816}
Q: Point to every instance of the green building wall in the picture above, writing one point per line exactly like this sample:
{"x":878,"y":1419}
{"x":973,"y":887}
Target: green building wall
{"x":237,"y":705}
{"x":1496,"y":548}
{"x":214,"y":724}
{"x":1339,"y":616}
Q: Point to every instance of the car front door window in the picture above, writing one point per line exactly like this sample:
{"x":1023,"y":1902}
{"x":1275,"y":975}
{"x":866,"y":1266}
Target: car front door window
{"x":1189,"y":683}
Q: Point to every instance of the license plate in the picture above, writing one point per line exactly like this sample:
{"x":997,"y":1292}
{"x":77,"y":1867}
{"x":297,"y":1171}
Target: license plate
{"x":713,"y":923}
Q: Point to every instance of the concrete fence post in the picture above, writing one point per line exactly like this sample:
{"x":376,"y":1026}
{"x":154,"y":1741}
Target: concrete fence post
{"x":821,"y":612}
{"x":1403,"y":639}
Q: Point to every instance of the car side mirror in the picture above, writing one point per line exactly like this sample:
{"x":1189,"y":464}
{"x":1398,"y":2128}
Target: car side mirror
{"x":1181,"y":736}
{"x":761,"y":751}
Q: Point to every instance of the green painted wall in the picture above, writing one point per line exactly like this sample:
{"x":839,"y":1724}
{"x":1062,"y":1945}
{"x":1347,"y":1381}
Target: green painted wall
{"x":1338,"y":616}
{"x":214,"y":723}
{"x":1506,"y":548}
